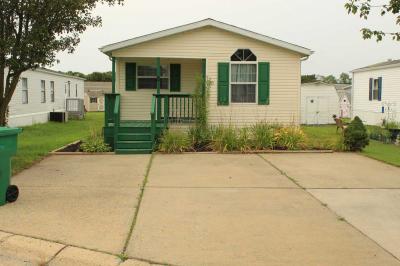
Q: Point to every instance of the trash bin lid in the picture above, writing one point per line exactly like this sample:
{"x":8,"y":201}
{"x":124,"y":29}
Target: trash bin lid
{"x":6,"y":131}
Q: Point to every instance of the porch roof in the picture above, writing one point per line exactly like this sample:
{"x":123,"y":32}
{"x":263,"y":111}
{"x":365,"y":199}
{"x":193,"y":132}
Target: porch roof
{"x":107,"y":49}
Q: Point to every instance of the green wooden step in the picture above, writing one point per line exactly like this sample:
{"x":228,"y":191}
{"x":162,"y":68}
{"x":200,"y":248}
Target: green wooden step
{"x":134,"y":136}
{"x":133,"y":151}
{"x":134,"y":145}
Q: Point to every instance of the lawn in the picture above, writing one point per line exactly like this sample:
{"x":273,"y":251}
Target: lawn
{"x":326,"y":137}
{"x":383,"y":152}
{"x":35,"y":142}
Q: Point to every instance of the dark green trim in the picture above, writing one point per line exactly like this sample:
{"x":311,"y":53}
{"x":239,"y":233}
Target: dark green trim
{"x":130,"y":76}
{"x":113,"y":75}
{"x":158,"y":65}
{"x":175,"y":76}
{"x":263,"y":83}
{"x":223,"y":83}
{"x":203,"y":74}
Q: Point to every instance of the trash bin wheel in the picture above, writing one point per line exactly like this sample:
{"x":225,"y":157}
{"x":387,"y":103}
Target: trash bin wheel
{"x":12,"y":193}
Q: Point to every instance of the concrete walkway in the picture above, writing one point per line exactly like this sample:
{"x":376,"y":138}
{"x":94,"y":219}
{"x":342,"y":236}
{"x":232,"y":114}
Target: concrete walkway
{"x":204,"y":209}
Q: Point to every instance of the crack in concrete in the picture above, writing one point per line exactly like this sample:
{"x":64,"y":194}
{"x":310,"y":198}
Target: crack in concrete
{"x":327,"y":207}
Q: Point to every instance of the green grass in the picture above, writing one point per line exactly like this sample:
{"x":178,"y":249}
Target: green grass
{"x":326,"y":136}
{"x":322,"y":137}
{"x":388,"y":153}
{"x":35,"y":142}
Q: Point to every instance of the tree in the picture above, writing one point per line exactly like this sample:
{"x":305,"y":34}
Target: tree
{"x":364,"y":7}
{"x":308,"y":78}
{"x":32,"y":32}
{"x":99,"y":76}
{"x":344,"y":78}
{"x":330,"y":79}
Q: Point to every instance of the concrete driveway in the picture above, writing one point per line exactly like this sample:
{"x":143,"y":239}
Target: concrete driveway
{"x":204,"y":209}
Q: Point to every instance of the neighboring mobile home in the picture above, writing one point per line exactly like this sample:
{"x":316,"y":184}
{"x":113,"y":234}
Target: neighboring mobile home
{"x":40,"y":92}
{"x":254,"y":78}
{"x":376,"y":92}
{"x":94,"y":95}
{"x":319,"y":102}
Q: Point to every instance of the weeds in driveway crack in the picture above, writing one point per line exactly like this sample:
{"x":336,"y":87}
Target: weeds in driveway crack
{"x":137,"y":207}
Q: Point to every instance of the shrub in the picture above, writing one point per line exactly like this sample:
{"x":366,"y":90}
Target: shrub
{"x":380,"y":134}
{"x":263,"y":136}
{"x":244,"y":141}
{"x":224,"y":139}
{"x":289,"y":138}
{"x":95,"y":143}
{"x":200,"y":137}
{"x":355,"y":135}
{"x":174,"y":142}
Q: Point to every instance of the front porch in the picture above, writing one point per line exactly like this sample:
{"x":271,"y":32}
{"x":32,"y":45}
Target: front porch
{"x":136,"y":115}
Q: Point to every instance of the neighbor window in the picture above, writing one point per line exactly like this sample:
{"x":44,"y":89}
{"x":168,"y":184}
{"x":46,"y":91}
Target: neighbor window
{"x":375,"y":90}
{"x":52,"y":96}
{"x":69,"y":89}
{"x":147,"y":77}
{"x":93,"y":99}
{"x":76,"y":90}
{"x":43,"y":91}
{"x":24,"y":90}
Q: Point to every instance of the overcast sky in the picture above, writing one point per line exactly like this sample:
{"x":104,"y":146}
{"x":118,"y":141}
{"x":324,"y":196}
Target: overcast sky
{"x":321,"y":25}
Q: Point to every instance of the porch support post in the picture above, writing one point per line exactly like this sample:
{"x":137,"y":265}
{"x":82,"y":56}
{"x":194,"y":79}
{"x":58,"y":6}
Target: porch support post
{"x":158,"y":66}
{"x":113,"y":75}
{"x":203,"y":75}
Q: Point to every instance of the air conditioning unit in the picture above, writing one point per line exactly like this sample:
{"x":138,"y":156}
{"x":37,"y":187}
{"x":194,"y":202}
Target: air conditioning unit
{"x":61,"y":117}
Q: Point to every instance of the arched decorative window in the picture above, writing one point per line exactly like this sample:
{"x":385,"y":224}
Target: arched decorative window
{"x":243,"y":77}
{"x":243,"y":55}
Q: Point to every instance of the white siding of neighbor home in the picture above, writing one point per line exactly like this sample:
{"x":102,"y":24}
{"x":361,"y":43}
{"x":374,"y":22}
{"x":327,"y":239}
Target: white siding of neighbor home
{"x":370,"y":112}
{"x":317,"y":90}
{"x":216,"y":45}
{"x":35,"y":111}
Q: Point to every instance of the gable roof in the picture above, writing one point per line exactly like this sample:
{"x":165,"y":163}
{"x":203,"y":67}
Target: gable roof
{"x":204,"y":23}
{"x":381,"y":65}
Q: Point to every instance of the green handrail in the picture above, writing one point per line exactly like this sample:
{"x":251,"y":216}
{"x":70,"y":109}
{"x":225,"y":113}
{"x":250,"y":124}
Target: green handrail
{"x":116,"y":114}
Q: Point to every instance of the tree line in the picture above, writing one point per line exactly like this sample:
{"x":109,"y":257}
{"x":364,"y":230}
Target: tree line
{"x":94,"y":76}
{"x":344,"y":78}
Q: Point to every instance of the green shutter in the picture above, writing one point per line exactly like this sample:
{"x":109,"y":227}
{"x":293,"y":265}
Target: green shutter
{"x":223,"y":83}
{"x":175,"y":77}
{"x":263,"y":83}
{"x":130,"y":76}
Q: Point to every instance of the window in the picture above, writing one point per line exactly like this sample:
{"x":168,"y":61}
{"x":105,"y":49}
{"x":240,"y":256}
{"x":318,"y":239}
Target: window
{"x":52,"y":96}
{"x":147,"y":77}
{"x":24,"y":90}
{"x":69,"y":89}
{"x":76,"y":90}
{"x":375,"y":90}
{"x":43,"y":91}
{"x":93,"y":99}
{"x":243,"y":55}
{"x":243,"y":83}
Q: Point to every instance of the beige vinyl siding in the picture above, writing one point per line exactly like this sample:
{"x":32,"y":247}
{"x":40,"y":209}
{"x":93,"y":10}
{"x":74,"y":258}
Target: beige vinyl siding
{"x":371,"y":111}
{"x":216,"y":45}
{"x":135,"y":105}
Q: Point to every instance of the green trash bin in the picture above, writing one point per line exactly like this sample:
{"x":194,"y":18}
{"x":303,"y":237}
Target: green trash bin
{"x":8,"y":148}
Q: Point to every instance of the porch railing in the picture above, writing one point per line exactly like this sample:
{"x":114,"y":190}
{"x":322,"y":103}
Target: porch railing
{"x":175,"y":108}
{"x":116,"y":114}
{"x":109,"y":104}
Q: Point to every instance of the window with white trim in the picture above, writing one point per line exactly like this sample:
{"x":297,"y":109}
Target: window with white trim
{"x":243,"y":81}
{"x":24,"y":82}
{"x":69,"y":89}
{"x":42,"y":91}
{"x":52,"y":93}
{"x":147,"y":77}
{"x":76,"y":90}
{"x":93,"y":99}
